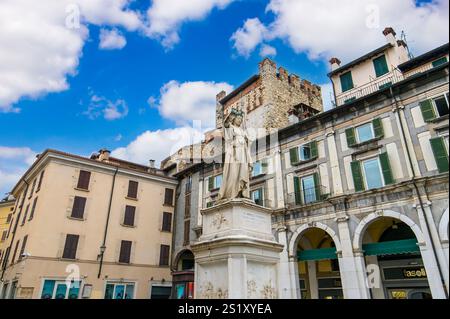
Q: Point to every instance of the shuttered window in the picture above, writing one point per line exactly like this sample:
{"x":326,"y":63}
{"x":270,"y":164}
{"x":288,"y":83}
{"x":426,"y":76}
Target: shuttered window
{"x":351,"y":136}
{"x":386,"y":169}
{"x":187,"y":206}
{"x":13,"y":259}
{"x":440,"y":154}
{"x":125,"y":252}
{"x":83,"y":180}
{"x":305,"y":152}
{"x":4,"y":234}
{"x":8,"y":219}
{"x":41,"y":177}
{"x":24,"y":244}
{"x":439,"y":62}
{"x":32,"y":188}
{"x":33,"y":209}
{"x":187,"y":232}
{"x":297,"y":191}
{"x":167,"y":222}
{"x":365,"y":132}
{"x":346,"y":81}
{"x":378,"y":130}
{"x":357,"y":176}
{"x":70,"y":247}
{"x":25,"y":215}
{"x":168,"y":197}
{"x":427,"y":109}
{"x":79,"y":205}
{"x":380,"y":65}
{"x":130,"y":213}
{"x":164,"y":255}
{"x":132,"y":189}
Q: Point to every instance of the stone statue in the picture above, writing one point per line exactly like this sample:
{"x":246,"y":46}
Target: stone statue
{"x":238,"y":162}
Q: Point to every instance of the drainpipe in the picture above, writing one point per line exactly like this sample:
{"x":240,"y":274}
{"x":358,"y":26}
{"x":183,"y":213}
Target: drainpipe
{"x":422,"y":206}
{"x":103,"y":246}
{"x":14,"y":231}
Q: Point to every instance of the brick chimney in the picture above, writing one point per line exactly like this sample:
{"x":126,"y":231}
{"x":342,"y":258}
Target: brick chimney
{"x":390,"y":34}
{"x":335,"y":63}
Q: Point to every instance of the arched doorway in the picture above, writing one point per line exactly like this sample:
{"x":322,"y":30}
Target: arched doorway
{"x":394,"y":261}
{"x":318,"y":265}
{"x":183,"y":275}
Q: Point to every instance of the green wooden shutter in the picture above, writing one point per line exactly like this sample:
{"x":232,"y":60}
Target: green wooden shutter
{"x":346,"y":81}
{"x":264,"y":166}
{"x":386,"y":168}
{"x":317,"y":186}
{"x":210,"y":183}
{"x":378,"y":128}
{"x":351,"y":137}
{"x":294,"y":155}
{"x":439,"y":62}
{"x":427,"y":110}
{"x":357,"y":176}
{"x":314,"y":150}
{"x":440,"y":154}
{"x":381,"y":67}
{"x":297,"y":190}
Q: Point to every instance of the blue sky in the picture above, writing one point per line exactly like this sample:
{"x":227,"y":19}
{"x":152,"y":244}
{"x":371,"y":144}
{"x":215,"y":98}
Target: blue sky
{"x":73,"y":118}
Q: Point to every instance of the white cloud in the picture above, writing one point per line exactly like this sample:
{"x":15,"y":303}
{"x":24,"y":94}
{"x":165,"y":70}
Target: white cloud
{"x":190,"y":101}
{"x":267,"y":51}
{"x":158,"y":145}
{"x":247,"y":38}
{"x":38,"y":51}
{"x":350,"y":28}
{"x":14,"y":161}
{"x":110,"y":110}
{"x":112,"y":40}
{"x":166,"y":17}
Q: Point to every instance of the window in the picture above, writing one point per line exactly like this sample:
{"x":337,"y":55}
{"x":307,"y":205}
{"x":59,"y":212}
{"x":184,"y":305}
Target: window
{"x":79,"y":205}
{"x":435,"y":108}
{"x":167,"y":222}
{"x":168,"y":197}
{"x":32,"y":188}
{"x":214,"y":182}
{"x":187,"y":232}
{"x":164,"y":255}
{"x":24,"y":245}
{"x":70,"y":247}
{"x":25,"y":215}
{"x":439,"y":62}
{"x":125,"y":252}
{"x":15,"y":252}
{"x":119,"y":290}
{"x":132,"y":189}
{"x":8,"y":219}
{"x":372,"y":173}
{"x":187,"y":206}
{"x":160,"y":292}
{"x":5,"y":232}
{"x":257,"y":196}
{"x":53,"y":289}
{"x":364,"y":133}
{"x":41,"y":177}
{"x":33,"y":209}
{"x":189,"y":184}
{"x":259,"y":168}
{"x":130,"y":212}
{"x":381,"y":67}
{"x":303,"y":153}
{"x":307,"y":189}
{"x":83,"y":180}
{"x":439,"y":146}
{"x":346,"y":81}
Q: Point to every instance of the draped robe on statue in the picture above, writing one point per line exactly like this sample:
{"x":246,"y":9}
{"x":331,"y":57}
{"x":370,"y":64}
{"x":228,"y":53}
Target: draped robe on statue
{"x":237,"y":165}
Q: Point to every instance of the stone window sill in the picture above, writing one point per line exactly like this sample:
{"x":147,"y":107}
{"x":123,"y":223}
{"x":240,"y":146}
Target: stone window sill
{"x":299,"y":163}
{"x":128,"y":226}
{"x":131,"y":198}
{"x":82,"y":190}
{"x":372,"y":141}
{"x":76,"y":218}
{"x":439,"y":119}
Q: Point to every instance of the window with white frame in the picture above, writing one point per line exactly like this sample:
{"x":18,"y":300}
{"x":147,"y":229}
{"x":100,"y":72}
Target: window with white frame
{"x":365,"y":133}
{"x":373,"y":175}
{"x":119,"y":290}
{"x":58,"y":289}
{"x":259,"y":168}
{"x":214,"y":182}
{"x":258,"y":196}
{"x":309,"y":189}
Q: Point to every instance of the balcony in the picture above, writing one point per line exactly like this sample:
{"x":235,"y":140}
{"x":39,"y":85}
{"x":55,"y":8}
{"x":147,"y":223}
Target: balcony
{"x":308,"y":196}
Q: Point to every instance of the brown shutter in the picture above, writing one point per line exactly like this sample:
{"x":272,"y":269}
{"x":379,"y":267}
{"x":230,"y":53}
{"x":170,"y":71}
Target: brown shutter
{"x":164,"y":255}
{"x":32,"y":188}
{"x":79,"y":205}
{"x":70,"y":248}
{"x":132,"y":189}
{"x":125,"y":252}
{"x":8,"y":219}
{"x":83,"y":180}
{"x":187,"y":206}
{"x":40,"y":180}
{"x":167,"y":222}
{"x":25,"y":215}
{"x":33,"y":209}
{"x":130,"y":212}
{"x":15,"y":252}
{"x":5,"y":232}
{"x":168,"y":197}
{"x":187,"y":230}
{"x":24,"y":244}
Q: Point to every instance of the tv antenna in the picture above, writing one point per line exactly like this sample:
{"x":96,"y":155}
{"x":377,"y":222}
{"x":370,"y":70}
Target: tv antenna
{"x":403,"y":37}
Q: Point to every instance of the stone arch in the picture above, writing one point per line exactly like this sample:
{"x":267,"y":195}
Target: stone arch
{"x":366,"y":221}
{"x":181,"y":253}
{"x":443,"y":227}
{"x":298,"y":233}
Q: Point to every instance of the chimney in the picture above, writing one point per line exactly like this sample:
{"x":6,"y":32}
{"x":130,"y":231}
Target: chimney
{"x":151,"y":163}
{"x":390,"y":34}
{"x":104,"y":155}
{"x":335,"y":64}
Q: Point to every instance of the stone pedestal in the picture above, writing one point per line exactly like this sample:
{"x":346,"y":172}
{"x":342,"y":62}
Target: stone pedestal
{"x":237,"y":257}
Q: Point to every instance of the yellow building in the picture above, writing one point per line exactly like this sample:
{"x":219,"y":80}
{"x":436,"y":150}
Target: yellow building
{"x":6,"y":209}
{"x":94,"y":227}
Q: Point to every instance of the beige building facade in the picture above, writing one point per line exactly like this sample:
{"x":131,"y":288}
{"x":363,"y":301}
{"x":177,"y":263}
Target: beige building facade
{"x":6,"y":210}
{"x":89,"y":228}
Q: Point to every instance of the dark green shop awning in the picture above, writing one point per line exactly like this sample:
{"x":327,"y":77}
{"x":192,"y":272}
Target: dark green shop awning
{"x":376,"y":249}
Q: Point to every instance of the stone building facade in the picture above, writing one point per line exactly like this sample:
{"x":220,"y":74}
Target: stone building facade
{"x":359,"y":193}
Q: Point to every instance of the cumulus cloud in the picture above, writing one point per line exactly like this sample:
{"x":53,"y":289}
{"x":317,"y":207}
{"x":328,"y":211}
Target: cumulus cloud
{"x":247,"y":38}
{"x":158,"y":145}
{"x":267,"y":51}
{"x":14,"y":161}
{"x":165,"y":17}
{"x":111,"y":40}
{"x":190,"y":101}
{"x":42,"y":42}
{"x":110,"y":110}
{"x":350,"y":28}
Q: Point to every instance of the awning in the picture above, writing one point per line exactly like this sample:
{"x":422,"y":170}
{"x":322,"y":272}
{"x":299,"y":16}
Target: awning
{"x":317,"y":254}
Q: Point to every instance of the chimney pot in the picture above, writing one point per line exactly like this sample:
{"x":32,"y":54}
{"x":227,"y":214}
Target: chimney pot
{"x":104,"y":155}
{"x":335,"y":63}
{"x":152,"y":163}
{"x":390,"y":34}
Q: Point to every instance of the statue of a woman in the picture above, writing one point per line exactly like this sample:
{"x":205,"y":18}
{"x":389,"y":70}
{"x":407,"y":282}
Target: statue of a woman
{"x":238,"y":162}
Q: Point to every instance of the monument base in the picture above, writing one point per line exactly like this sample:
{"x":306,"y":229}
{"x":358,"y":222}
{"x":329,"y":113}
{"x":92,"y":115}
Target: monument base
{"x":237,"y":257}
